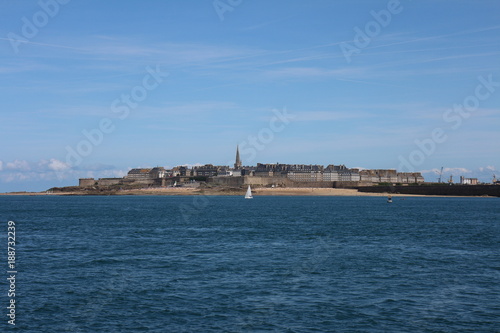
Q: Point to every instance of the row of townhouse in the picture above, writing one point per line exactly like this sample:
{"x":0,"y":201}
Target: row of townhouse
{"x":207,"y":170}
{"x":294,"y":172}
{"x":343,"y":174}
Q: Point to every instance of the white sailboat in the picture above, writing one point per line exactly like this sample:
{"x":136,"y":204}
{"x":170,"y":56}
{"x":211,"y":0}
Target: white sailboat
{"x":249,"y":195}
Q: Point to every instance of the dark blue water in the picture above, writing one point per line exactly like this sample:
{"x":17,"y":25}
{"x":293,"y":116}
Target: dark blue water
{"x":271,"y":264}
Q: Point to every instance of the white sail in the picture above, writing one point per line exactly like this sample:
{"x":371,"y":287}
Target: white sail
{"x":248,"y":195}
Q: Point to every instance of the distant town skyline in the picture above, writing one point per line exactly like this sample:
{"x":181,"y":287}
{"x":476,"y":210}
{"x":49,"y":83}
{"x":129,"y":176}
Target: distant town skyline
{"x":94,"y":89}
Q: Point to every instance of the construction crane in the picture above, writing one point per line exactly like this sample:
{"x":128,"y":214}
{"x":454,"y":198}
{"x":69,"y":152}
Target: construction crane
{"x":440,"y":174}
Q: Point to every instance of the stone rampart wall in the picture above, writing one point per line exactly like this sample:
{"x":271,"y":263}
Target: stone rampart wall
{"x":458,"y":190}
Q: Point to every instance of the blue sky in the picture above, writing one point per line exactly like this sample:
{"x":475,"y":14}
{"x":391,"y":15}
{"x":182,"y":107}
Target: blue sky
{"x":372,"y":84}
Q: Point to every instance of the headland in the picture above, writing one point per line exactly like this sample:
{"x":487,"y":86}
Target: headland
{"x":395,"y":191}
{"x":273,"y":179}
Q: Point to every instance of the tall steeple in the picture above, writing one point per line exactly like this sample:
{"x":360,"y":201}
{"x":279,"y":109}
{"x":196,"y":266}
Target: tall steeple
{"x":237,"y":164}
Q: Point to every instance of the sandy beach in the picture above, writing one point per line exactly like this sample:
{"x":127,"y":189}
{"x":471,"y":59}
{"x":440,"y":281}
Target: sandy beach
{"x":222,"y":191}
{"x":316,"y":191}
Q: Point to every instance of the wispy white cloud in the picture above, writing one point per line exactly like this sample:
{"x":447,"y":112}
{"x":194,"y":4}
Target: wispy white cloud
{"x":49,"y":45}
{"x":487,"y":168}
{"x":267,"y":23}
{"x":437,"y":37}
{"x":18,"y":165}
{"x":54,"y":170}
{"x":329,"y":115}
{"x":314,"y":72}
{"x":137,"y":51}
{"x":484,"y":174}
{"x":187,"y":109}
{"x":456,"y":170}
{"x":53,"y":165}
{"x":25,"y":66}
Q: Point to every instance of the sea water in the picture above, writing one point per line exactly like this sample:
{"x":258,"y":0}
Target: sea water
{"x":270,"y":264}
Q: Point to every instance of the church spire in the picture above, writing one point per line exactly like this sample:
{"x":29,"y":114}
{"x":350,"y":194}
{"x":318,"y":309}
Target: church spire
{"x":237,"y":164}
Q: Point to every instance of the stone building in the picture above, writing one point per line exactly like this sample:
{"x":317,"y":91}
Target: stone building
{"x":182,"y":171}
{"x":468,"y":181}
{"x":340,"y":173}
{"x":379,"y":176}
{"x":410,"y":177}
{"x":264,"y":174}
{"x":305,"y":176}
{"x":146,"y":174}
{"x":207,"y":170}
{"x":138,"y":174}
{"x":85,"y":182}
